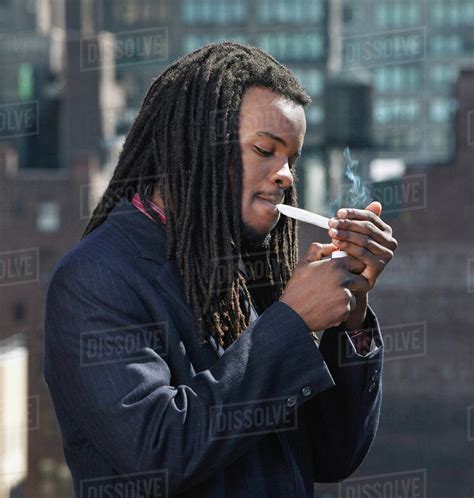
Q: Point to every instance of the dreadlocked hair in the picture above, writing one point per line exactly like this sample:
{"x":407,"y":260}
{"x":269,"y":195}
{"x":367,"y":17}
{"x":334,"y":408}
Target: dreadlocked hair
{"x":185,"y":139}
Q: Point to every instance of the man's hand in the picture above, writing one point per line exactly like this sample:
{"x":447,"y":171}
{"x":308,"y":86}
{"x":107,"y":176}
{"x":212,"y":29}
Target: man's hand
{"x":321,"y":291}
{"x":362,"y":234}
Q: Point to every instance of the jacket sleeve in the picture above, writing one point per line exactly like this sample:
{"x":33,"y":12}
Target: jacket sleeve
{"x":343,"y":420}
{"x":125,"y":404}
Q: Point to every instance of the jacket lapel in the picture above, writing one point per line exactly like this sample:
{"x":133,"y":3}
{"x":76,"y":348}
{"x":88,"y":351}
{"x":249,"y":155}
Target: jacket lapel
{"x":149,"y":239}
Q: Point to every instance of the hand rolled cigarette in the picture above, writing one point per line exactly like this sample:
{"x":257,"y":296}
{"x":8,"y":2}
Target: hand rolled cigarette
{"x":308,"y":217}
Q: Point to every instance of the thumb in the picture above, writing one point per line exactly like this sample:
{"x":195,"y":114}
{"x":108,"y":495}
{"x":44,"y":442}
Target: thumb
{"x":375,"y":207}
{"x":317,"y":251}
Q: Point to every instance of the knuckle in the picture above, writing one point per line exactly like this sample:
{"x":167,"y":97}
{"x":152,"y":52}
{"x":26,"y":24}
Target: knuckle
{"x":369,"y":226}
{"x":345,"y":281}
{"x":380,"y":265}
{"x":371,"y":243}
{"x":345,"y":223}
{"x":341,"y":244}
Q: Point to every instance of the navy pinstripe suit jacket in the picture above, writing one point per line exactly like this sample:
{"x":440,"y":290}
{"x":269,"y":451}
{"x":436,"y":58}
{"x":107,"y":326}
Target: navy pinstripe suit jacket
{"x":145,"y":410}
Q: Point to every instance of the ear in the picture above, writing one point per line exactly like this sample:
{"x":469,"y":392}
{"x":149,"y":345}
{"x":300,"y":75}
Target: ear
{"x":375,"y":207}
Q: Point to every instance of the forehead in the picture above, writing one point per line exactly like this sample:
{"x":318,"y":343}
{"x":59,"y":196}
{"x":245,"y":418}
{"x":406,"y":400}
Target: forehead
{"x":264,"y":109}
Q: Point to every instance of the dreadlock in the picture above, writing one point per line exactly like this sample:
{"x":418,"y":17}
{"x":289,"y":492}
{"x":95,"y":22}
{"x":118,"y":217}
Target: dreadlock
{"x":185,"y":139}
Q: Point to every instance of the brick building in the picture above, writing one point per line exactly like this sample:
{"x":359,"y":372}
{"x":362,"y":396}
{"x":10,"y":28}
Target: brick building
{"x":424,"y":301}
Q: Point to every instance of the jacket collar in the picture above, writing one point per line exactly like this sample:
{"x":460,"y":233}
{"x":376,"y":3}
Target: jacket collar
{"x":147,"y":236}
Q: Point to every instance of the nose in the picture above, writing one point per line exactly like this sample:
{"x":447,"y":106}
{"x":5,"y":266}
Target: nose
{"x":283,"y":177}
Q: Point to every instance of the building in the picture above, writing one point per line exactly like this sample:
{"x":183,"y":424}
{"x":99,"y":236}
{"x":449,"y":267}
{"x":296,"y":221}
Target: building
{"x":66,"y":58}
{"x":58,"y":140}
{"x":413,"y":52}
{"x":42,"y":213}
{"x":424,"y":301}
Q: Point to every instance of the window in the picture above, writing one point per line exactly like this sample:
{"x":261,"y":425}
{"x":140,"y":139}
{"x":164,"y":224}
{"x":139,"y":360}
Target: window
{"x":396,"y":14}
{"x":293,"y":46}
{"x":48,"y":217}
{"x":315,"y":115}
{"x":286,"y":11}
{"x":451,"y":44}
{"x":194,"y":41}
{"x":312,"y":79}
{"x":214,"y":11}
{"x":452,"y":13}
{"x":441,"y":140}
{"x":401,"y":139}
{"x":397,"y":78}
{"x":19,"y":311}
{"x":442,"y":109}
{"x":443,"y":76}
{"x":19,"y":209}
{"x":393,"y":111}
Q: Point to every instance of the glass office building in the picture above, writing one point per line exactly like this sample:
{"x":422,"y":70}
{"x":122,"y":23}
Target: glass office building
{"x":413,"y":50}
{"x":294,"y":32}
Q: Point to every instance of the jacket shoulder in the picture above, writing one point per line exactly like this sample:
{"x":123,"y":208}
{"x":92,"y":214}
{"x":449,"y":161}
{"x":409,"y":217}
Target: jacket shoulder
{"x":104,"y":247}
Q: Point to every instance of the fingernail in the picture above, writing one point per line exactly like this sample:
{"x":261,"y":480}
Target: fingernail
{"x":333,"y":232}
{"x":333,"y":222}
{"x":342,"y":213}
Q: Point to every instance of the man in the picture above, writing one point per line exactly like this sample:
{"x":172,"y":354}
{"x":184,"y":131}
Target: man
{"x":177,"y":367}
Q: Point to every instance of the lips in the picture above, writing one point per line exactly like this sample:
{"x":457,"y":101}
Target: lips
{"x":272,"y":200}
{"x":269,"y":204}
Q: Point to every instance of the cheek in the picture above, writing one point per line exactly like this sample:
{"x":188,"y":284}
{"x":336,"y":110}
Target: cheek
{"x":253,"y":176}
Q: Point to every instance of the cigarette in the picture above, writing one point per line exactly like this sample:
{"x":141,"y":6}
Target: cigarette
{"x":308,"y":217}
{"x":303,"y":215}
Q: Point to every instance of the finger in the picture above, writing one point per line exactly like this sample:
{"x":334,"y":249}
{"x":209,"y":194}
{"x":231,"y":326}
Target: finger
{"x":368,"y":237}
{"x":317,"y":251}
{"x":375,"y":207}
{"x":363,"y":214}
{"x":356,"y":283}
{"x":351,"y":264}
{"x":382,"y":257}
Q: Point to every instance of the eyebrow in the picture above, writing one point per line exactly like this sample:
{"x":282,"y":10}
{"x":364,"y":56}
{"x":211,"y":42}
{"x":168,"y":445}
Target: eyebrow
{"x":277,"y":138}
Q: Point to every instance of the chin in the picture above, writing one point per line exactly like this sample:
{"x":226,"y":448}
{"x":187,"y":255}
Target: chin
{"x":254,"y":237}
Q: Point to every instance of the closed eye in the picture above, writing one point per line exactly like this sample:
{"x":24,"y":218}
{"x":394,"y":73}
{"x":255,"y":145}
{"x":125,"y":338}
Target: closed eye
{"x":269,"y":153}
{"x":263,"y":152}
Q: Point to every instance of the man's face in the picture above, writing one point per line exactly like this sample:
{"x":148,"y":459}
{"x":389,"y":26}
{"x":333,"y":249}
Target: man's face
{"x":271,"y":131}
